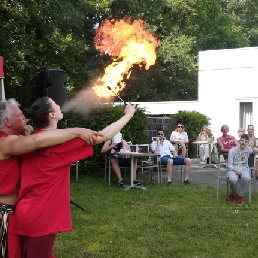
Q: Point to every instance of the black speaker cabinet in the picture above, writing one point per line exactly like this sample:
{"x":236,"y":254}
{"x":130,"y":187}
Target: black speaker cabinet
{"x":52,"y":83}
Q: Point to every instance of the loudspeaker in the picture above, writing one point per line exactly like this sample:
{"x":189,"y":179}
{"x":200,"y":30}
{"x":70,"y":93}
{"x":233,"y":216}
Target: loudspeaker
{"x":52,"y":83}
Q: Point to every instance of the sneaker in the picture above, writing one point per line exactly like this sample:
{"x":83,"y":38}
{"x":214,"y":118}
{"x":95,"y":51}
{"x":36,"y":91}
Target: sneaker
{"x":136,"y":183}
{"x":169,"y":183}
{"x":239,"y":200}
{"x":203,"y":162}
{"x":187,"y":182}
{"x":231,"y":197}
{"x":120,"y":183}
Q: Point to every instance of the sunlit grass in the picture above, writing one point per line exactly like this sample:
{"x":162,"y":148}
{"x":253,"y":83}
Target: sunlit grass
{"x":181,"y":221}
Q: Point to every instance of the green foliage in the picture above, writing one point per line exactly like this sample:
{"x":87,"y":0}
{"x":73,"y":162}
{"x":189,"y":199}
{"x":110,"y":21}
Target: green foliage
{"x":98,"y":120}
{"x":193,"y":125}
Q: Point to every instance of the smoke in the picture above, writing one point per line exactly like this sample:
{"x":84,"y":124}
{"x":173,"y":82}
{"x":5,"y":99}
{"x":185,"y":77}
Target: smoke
{"x":85,"y":101}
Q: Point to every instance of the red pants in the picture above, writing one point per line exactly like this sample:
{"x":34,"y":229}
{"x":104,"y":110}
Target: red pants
{"x":40,"y":247}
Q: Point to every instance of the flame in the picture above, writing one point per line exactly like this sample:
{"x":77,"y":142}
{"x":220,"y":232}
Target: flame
{"x":128,"y":44}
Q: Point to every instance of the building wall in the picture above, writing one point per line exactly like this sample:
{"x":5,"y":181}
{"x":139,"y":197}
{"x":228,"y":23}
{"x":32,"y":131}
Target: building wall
{"x":225,"y":78}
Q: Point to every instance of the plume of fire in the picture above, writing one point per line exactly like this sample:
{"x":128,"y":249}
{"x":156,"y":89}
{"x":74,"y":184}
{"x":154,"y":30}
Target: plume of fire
{"x":128,"y":43}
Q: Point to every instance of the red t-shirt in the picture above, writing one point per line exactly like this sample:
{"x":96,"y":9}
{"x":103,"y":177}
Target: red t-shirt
{"x":43,"y":205}
{"x":9,"y":173}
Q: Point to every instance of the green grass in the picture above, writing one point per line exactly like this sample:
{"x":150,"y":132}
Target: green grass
{"x":181,"y":221}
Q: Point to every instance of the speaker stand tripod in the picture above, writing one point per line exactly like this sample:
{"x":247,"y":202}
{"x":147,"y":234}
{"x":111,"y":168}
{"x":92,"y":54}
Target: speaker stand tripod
{"x":79,"y":206}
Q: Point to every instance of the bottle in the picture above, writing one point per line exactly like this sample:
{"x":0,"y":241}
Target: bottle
{"x":137,"y":148}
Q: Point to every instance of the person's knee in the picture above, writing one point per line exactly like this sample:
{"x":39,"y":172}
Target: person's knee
{"x":170,"y":162}
{"x":188,"y":161}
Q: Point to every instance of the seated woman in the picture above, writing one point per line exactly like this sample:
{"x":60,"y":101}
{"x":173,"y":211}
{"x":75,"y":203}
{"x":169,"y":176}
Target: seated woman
{"x":203,"y":148}
{"x":180,"y":138}
{"x":118,"y":144}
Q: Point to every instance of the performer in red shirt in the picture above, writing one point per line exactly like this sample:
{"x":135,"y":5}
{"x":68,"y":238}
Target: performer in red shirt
{"x":12,"y":124}
{"x":43,"y":206}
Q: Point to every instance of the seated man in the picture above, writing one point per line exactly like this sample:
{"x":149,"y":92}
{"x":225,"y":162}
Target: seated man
{"x":164,"y":148}
{"x":226,"y":142}
{"x":238,"y":173}
{"x":119,"y":161}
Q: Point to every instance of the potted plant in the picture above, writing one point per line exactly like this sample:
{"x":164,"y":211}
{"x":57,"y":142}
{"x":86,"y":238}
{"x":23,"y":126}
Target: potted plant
{"x":210,"y":137}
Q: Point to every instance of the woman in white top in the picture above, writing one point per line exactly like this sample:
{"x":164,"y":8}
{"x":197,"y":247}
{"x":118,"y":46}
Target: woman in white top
{"x":203,"y":148}
{"x":180,"y":138}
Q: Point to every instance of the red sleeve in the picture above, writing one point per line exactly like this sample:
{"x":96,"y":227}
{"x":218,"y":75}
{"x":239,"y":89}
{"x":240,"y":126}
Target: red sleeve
{"x":69,"y":152}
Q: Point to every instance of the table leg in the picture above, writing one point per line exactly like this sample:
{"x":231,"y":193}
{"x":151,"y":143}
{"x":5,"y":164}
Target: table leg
{"x":210,"y":165}
{"x":131,"y":176}
{"x":132,"y":169}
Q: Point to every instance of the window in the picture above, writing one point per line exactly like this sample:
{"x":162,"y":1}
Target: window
{"x":245,"y":114}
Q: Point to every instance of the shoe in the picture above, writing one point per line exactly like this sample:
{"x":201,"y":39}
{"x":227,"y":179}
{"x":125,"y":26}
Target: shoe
{"x":136,"y":183}
{"x":203,"y":162}
{"x":187,"y":182}
{"x":120,"y":183}
{"x":239,"y":200}
{"x":231,"y":197}
{"x":169,"y":183}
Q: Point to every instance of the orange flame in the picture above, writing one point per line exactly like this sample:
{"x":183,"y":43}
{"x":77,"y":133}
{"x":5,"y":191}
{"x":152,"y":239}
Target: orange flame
{"x":128,"y":44}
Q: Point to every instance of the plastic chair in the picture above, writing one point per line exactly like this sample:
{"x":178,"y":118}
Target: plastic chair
{"x":221,"y":177}
{"x":76,"y":164}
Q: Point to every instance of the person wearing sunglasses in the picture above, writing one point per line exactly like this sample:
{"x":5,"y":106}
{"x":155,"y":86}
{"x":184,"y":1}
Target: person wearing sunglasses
{"x":180,"y":138}
{"x":169,"y":156}
{"x":238,"y":169}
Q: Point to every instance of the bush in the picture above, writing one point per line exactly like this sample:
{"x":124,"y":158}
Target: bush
{"x":193,"y":124}
{"x":98,"y":120}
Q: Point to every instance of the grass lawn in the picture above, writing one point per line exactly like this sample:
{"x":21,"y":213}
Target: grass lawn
{"x":181,"y":221}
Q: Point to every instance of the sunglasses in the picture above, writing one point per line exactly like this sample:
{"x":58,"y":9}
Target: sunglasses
{"x":160,"y":134}
{"x":180,"y":126}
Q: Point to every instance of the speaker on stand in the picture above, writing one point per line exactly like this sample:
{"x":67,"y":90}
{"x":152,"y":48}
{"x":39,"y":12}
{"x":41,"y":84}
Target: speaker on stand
{"x":52,"y":83}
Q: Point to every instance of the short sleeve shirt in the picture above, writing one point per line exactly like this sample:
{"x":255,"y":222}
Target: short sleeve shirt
{"x":164,"y":149}
{"x":43,"y":205}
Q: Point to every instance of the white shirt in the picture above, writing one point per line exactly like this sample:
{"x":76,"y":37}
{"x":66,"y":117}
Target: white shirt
{"x":164,"y":149}
{"x":175,"y":137}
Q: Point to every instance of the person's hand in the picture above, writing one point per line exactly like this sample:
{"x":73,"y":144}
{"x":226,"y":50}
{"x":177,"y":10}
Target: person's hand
{"x":113,"y":146}
{"x":89,"y":136}
{"x":29,"y":129}
{"x":129,"y":110}
{"x":158,"y":140}
{"x":238,"y":173}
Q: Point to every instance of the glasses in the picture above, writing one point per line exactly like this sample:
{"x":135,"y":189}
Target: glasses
{"x":160,"y":134}
{"x":245,"y":141}
{"x":180,"y":126}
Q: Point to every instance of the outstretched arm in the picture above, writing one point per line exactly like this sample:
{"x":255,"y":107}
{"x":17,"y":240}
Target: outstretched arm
{"x":16,"y":145}
{"x":116,"y":127}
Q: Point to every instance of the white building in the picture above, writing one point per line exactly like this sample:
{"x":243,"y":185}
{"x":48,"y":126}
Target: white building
{"x":227,"y":90}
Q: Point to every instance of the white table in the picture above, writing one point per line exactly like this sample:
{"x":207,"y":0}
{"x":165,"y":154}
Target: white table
{"x":134,"y":155}
{"x":209,"y":143}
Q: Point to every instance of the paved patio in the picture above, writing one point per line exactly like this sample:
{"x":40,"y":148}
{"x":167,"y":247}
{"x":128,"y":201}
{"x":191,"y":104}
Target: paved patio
{"x":204,"y":176}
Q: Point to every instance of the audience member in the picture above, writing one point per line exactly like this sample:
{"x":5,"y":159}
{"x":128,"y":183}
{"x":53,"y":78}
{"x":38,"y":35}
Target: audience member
{"x":118,"y":161}
{"x":164,"y":148}
{"x":203,"y":148}
{"x":12,"y":125}
{"x":180,"y":138}
{"x":240,"y":131}
{"x":226,"y":142}
{"x":252,"y":143}
{"x":238,"y":169}
{"x":43,"y":204}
